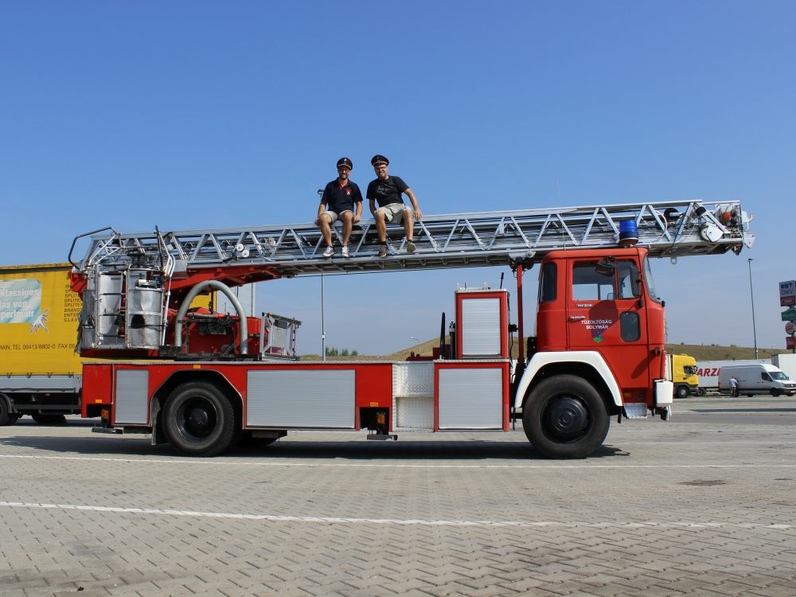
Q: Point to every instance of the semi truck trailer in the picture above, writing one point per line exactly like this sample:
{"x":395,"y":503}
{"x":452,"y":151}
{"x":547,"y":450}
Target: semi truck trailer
{"x":40,"y":372}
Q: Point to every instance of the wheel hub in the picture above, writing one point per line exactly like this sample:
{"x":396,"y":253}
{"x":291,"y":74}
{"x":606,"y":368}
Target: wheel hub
{"x":567,"y":417}
{"x":197,"y":421}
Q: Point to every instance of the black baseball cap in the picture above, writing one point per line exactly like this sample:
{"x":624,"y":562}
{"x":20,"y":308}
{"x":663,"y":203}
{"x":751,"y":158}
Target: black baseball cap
{"x":379,"y":159}
{"x":345,"y":162}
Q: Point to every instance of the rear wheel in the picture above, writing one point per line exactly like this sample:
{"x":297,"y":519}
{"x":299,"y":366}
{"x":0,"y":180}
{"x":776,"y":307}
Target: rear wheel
{"x":565,"y":417}
{"x":199,"y":420}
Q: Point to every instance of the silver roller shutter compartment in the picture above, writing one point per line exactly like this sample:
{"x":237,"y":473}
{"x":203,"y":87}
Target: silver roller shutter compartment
{"x":471,"y":398}
{"x":301,"y":398}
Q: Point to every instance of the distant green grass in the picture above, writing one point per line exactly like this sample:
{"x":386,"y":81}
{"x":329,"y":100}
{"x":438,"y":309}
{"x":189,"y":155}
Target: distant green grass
{"x":711,"y":352}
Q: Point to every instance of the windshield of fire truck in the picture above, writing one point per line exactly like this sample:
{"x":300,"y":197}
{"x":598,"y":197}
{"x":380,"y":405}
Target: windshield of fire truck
{"x":649,"y":281}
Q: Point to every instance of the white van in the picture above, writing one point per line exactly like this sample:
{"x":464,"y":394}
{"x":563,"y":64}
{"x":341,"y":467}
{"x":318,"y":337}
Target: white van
{"x":760,"y":378}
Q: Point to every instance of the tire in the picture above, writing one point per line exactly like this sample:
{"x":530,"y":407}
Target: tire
{"x":565,"y":417}
{"x":199,"y":420}
{"x":5,"y":414}
{"x":775,"y":392}
{"x":682,"y":392}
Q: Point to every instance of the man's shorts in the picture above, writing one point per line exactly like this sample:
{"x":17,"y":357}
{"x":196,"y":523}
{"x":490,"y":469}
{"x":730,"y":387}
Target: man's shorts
{"x":394,"y":211}
{"x":333,"y":215}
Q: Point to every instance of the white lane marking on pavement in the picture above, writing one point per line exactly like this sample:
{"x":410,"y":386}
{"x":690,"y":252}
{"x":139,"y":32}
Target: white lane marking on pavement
{"x":398,"y":521}
{"x":226,"y":462}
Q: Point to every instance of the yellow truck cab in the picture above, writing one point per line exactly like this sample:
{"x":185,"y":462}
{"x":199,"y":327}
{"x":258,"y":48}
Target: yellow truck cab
{"x":683,"y":368}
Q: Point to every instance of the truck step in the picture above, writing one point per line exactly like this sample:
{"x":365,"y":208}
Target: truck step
{"x":382,"y":436}
{"x":110,"y":430}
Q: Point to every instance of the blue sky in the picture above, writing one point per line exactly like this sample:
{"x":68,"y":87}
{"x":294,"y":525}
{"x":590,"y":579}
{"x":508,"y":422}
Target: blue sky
{"x":198,"y":114}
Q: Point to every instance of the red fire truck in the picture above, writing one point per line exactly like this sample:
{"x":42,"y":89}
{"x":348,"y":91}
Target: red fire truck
{"x":202,"y":381}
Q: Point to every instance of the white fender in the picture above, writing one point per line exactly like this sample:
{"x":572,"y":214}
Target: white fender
{"x":540,"y":360}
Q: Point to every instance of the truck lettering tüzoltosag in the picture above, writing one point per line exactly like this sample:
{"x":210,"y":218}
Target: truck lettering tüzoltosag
{"x":202,"y":381}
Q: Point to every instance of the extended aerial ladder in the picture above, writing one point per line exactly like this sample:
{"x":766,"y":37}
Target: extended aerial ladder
{"x":667,"y":229}
{"x":139,"y":276}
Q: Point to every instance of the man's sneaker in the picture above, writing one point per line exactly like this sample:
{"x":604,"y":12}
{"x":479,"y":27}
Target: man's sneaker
{"x":410,"y":247}
{"x":329,"y":251}
{"x":382,"y":251}
{"x":345,"y":251}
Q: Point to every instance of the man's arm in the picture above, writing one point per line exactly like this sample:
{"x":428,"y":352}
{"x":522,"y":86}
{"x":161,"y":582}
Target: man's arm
{"x":415,"y":206}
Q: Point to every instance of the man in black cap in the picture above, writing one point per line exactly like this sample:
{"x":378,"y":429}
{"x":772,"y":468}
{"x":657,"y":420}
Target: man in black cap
{"x":387,"y":190}
{"x":337,"y":202}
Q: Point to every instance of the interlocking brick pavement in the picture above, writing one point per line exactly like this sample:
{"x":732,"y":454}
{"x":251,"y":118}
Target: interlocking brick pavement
{"x":701,"y":505}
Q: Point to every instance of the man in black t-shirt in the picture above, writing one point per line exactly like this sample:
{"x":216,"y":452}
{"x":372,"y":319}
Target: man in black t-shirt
{"x":387,"y":190}
{"x":339,"y":199}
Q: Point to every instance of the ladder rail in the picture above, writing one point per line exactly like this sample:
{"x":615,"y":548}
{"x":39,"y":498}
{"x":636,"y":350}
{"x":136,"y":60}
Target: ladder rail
{"x":670,"y":228}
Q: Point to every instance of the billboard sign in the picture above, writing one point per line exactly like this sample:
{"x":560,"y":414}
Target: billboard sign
{"x":787,"y":293}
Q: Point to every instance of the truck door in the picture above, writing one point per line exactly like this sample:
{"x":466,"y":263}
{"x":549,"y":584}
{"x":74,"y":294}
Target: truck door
{"x":605,"y":313}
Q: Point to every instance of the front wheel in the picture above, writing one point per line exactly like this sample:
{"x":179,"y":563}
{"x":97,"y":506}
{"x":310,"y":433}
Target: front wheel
{"x":682,"y":392}
{"x":565,"y":417}
{"x":199,"y":420}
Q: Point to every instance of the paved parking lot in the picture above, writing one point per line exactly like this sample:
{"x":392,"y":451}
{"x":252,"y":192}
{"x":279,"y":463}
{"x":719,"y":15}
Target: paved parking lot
{"x":702,"y":505}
